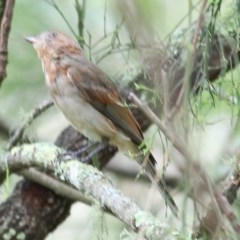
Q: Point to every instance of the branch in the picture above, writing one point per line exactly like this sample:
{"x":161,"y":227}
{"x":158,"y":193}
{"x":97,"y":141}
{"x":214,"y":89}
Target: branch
{"x":199,"y":26}
{"x":210,"y":222}
{"x":176,"y":141}
{"x":34,"y":114}
{"x":29,"y":193}
{"x":90,"y":182}
{"x":21,"y":223}
{"x":60,"y":188}
{"x":81,"y":11}
{"x":219,"y":204}
{"x":4,"y":33}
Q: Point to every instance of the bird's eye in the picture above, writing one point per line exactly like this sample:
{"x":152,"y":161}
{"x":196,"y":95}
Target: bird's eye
{"x":54,"y":34}
{"x":55,"y":57}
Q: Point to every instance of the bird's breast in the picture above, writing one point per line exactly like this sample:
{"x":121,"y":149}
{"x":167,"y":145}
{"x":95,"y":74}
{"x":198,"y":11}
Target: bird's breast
{"x":80,"y":113}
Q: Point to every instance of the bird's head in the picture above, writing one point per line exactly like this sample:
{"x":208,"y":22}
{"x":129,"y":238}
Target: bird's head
{"x":51,"y":46}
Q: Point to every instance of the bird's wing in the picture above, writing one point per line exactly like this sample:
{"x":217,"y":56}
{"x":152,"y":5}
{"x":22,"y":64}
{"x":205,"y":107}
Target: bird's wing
{"x":97,"y":89}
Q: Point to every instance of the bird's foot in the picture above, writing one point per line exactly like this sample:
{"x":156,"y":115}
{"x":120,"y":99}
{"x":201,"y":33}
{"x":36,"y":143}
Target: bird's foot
{"x":88,"y":158}
{"x":84,"y":154}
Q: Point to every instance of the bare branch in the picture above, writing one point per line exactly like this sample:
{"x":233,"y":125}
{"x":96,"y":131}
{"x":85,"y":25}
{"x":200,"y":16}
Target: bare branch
{"x":199,"y":26}
{"x":218,"y":205}
{"x":4,"y":33}
{"x":210,"y":221}
{"x":153,"y":117}
{"x":33,"y":115}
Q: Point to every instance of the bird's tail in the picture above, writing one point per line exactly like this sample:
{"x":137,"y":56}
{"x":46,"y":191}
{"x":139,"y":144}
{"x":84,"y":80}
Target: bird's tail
{"x":161,"y":184}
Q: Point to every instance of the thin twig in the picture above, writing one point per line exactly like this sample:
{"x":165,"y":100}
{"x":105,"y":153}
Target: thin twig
{"x":170,"y":114}
{"x":132,"y":173}
{"x":4,"y":33}
{"x":231,"y":187}
{"x":217,"y":199}
{"x":211,"y":221}
{"x":153,"y":117}
{"x":181,"y":147}
{"x":34,"y":114}
{"x":81,"y":10}
{"x":223,"y":95}
{"x":226,"y":208}
{"x":198,"y":26}
{"x":53,"y":4}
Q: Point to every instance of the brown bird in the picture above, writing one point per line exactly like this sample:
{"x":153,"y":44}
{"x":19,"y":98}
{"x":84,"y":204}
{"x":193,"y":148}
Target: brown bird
{"x":91,"y":101}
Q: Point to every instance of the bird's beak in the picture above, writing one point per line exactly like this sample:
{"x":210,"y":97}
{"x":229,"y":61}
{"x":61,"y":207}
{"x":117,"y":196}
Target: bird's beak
{"x":31,"y":39}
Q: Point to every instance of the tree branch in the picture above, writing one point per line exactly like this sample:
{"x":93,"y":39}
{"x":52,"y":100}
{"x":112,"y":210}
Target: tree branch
{"x":90,"y":182}
{"x":28,"y":193}
{"x":212,"y":218}
{"x":34,"y":114}
{"x":30,"y":212}
{"x":4,"y":33}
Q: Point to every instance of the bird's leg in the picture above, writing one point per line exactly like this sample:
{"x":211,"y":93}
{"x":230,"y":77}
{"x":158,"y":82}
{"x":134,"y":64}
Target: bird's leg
{"x":83,"y":149}
{"x":79,"y":152}
{"x":86,"y":153}
{"x":96,"y":150}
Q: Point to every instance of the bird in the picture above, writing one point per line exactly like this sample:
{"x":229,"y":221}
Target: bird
{"x":91,"y":102}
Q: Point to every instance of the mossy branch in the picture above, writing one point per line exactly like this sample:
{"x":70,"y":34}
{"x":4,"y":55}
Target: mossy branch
{"x":90,"y":182}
